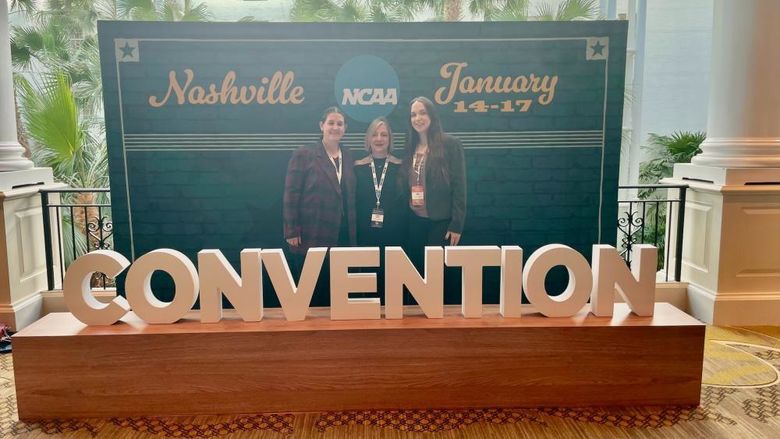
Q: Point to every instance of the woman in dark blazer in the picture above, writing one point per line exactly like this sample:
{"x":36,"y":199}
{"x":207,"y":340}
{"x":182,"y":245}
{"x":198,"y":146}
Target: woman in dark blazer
{"x":434,"y":177}
{"x":381,"y":206}
{"x":319,"y":191}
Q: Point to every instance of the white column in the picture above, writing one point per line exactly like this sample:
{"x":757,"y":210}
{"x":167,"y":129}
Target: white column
{"x":638,"y":13}
{"x":743,"y":127}
{"x":22,"y":260}
{"x":11,"y":158}
{"x":731,"y":241}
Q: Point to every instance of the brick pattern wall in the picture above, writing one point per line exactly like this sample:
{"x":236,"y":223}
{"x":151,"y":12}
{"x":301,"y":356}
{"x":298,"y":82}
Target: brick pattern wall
{"x":190,"y":192}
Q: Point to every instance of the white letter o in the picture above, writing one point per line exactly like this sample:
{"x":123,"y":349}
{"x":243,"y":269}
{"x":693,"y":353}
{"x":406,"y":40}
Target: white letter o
{"x":139,"y":290}
{"x":577,"y":292}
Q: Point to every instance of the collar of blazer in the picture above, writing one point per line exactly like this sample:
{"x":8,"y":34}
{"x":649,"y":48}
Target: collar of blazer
{"x":326,"y":165}
{"x":367,"y":159}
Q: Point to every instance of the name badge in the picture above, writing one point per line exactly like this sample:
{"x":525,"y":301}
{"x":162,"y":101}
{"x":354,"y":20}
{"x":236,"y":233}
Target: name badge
{"x":377,"y":218}
{"x":418,"y":196}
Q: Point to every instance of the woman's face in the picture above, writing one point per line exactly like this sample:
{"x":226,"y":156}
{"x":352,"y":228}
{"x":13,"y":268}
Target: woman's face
{"x":419,"y":118}
{"x":333,"y":128}
{"x":380,"y":140}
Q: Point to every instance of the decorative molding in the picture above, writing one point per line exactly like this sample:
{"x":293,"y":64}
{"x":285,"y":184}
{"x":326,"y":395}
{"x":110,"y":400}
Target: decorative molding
{"x":30,"y":243}
{"x":735,"y":308}
{"x":698,"y":260}
{"x":714,"y":178}
{"x":20,"y":183}
{"x":701,"y":303}
{"x":739,"y":152}
{"x":759,"y":273}
{"x":22,"y":312}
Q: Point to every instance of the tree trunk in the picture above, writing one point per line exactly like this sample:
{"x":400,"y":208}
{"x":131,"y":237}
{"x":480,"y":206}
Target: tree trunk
{"x":452,"y":10}
{"x":84,"y":218}
{"x":21,"y":136}
{"x":87,"y":221}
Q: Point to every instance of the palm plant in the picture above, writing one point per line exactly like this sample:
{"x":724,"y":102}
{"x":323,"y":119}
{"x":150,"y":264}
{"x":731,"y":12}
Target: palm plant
{"x":53,"y":34}
{"x":568,"y":10}
{"x":51,"y":116}
{"x":46,"y":43}
{"x":63,"y":36}
{"x":664,"y":152}
{"x":443,"y":10}
{"x":379,"y":11}
{"x":61,"y":139}
{"x":60,"y":116}
{"x":168,"y":10}
{"x":396,"y":10}
{"x":510,"y":10}
{"x":84,"y":72}
{"x":487,"y":10}
{"x":22,"y":5}
{"x":447,"y":10}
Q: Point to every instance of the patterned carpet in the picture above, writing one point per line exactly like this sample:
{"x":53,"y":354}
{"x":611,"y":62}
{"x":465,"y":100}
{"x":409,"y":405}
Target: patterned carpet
{"x":740,"y":399}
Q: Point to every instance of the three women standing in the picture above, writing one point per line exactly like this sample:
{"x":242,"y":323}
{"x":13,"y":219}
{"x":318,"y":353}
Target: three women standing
{"x":323,"y":192}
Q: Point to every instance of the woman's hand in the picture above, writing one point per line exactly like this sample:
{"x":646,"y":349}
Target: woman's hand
{"x":294,"y":242}
{"x":453,"y":237}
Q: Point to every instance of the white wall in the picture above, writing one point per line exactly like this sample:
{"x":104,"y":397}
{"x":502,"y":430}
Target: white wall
{"x":676,"y":76}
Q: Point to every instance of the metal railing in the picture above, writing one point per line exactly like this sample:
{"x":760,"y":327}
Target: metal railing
{"x":76,"y":222}
{"x":82,"y":224}
{"x":650,"y":217}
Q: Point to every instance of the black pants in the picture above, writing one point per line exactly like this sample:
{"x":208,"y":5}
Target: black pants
{"x":422,"y":232}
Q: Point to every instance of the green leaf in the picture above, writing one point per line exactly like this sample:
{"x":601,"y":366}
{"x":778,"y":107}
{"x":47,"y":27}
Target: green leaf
{"x":512,"y":10}
{"x":52,"y":122}
{"x":663,"y":152}
{"x":568,"y":10}
{"x":313,"y":10}
{"x":198,"y":12}
{"x":26,"y":6}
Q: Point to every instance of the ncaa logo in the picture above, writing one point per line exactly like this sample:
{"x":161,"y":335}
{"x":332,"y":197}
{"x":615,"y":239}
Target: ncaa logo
{"x":366,"y":87}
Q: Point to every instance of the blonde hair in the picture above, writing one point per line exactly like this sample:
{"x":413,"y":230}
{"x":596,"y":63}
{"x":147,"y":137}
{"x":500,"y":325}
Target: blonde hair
{"x":372,"y":127}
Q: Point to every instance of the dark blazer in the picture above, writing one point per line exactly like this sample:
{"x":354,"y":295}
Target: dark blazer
{"x":394,"y":205}
{"x":313,"y":204}
{"x":447,"y":199}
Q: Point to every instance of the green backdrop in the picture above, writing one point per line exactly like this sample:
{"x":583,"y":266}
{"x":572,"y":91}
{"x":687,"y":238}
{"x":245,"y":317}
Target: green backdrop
{"x":202,"y":118}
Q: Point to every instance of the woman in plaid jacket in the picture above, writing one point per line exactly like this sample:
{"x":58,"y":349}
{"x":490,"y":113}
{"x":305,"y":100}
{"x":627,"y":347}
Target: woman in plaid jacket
{"x":319,"y":191}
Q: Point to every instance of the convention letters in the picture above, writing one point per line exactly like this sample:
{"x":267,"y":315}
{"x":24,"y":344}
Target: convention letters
{"x":598,"y":283}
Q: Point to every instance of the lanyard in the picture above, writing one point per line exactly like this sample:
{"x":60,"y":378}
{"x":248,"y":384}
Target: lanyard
{"x":418,"y":164}
{"x":337,"y":166}
{"x":378,"y":185}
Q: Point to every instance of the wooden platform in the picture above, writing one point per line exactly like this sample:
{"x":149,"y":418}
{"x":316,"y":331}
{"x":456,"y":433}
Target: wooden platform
{"x":66,"y":369}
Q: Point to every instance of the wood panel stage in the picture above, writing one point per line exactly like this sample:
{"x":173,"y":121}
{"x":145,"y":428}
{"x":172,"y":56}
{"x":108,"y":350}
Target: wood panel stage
{"x":65,"y":369}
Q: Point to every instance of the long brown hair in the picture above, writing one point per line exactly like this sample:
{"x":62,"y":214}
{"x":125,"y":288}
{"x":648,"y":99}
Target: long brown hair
{"x":436,"y":161}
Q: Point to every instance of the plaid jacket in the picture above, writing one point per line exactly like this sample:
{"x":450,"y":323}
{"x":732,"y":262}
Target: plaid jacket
{"x":313,"y":205}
